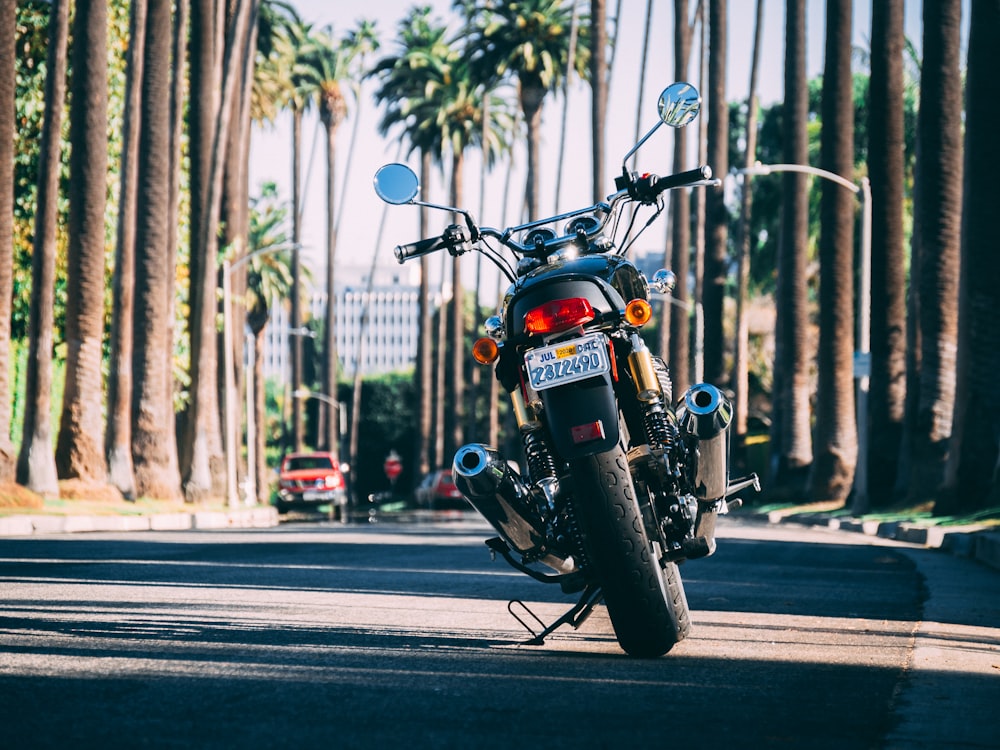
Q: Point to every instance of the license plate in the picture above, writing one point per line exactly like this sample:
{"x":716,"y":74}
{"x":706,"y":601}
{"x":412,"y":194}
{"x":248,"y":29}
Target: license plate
{"x":315,"y":495}
{"x":567,"y":362}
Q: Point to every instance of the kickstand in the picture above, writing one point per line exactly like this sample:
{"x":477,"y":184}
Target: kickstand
{"x":580,"y":611}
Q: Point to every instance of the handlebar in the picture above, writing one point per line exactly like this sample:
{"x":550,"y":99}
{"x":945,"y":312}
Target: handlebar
{"x":455,"y":239}
{"x":631,"y":186}
{"x":682,"y":178}
{"x":418,"y":248}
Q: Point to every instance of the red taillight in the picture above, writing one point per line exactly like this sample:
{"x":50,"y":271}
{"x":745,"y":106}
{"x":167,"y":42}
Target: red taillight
{"x":559,"y":315}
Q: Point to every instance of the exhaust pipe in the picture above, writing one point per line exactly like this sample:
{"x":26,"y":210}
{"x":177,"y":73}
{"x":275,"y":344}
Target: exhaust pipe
{"x":505,"y":501}
{"x":705,"y":415}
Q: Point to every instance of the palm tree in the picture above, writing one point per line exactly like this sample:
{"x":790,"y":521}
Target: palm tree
{"x":463,"y":103}
{"x":939,"y":186}
{"x":888,"y":316}
{"x":36,"y":467}
{"x":329,"y":65}
{"x":117,"y":437}
{"x":675,"y":327}
{"x":741,"y":384}
{"x":269,"y":281}
{"x":154,"y":449}
{"x":529,"y":40}
{"x":202,"y":458}
{"x":599,"y":88}
{"x":972,"y":479}
{"x":790,"y":428}
{"x":835,"y":448}
{"x":8,"y":13}
{"x":79,"y":450}
{"x":716,"y":214}
{"x":293,"y":46}
{"x":424,"y":52}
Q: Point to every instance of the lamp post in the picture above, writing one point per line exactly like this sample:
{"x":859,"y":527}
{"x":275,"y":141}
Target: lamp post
{"x":862,"y":355}
{"x":229,"y":400}
{"x":304,"y":393}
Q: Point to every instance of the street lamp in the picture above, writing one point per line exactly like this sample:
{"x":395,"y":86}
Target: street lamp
{"x":862,"y":355}
{"x":305,"y":393}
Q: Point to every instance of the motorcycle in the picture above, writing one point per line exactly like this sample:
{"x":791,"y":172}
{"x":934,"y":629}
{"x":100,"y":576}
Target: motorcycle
{"x":620,"y":483}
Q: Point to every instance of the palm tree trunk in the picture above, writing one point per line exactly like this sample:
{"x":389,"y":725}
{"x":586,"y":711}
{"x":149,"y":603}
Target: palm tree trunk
{"x":36,"y":468}
{"x":79,"y":449}
{"x":458,"y":391}
{"x":154,"y":449}
{"x":888,"y":315}
{"x":8,"y":14}
{"x":716,"y":252}
{"x":791,"y":442}
{"x":202,"y":459}
{"x":260,"y":418}
{"x":295,"y":340}
{"x":675,"y":327}
{"x":118,"y":436}
{"x":532,"y":94}
{"x":599,"y":89}
{"x":940,"y":188}
{"x":330,"y":422}
{"x":440,"y":380}
{"x":741,"y":379}
{"x":426,"y":345}
{"x":836,"y":445}
{"x":973,"y":481}
{"x":234,"y":229}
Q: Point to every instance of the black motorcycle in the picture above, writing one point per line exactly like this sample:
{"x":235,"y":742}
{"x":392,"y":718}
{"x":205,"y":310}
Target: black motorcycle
{"x":619,"y":483}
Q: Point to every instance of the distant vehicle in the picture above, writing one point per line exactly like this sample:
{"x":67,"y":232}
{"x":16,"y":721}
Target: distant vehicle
{"x":437,"y":491}
{"x":309,"y":480}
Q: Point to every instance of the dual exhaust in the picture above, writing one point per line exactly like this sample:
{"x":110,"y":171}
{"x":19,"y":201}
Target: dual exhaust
{"x":503,"y":498}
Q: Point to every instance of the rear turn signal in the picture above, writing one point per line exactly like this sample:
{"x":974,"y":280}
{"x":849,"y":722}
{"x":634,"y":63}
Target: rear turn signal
{"x":638,"y":312}
{"x":559,"y":315}
{"x":485,"y":351}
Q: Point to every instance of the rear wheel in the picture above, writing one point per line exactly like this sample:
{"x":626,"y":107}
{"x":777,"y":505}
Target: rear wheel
{"x":646,"y":603}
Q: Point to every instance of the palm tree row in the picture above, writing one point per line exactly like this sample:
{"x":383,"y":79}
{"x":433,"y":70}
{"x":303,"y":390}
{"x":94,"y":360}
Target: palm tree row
{"x":446,"y":91}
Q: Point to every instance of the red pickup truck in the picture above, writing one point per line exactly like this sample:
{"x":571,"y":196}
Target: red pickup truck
{"x":310,"y":479}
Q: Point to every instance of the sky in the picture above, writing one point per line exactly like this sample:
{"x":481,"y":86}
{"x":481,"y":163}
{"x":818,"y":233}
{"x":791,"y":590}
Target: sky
{"x":358,"y":237}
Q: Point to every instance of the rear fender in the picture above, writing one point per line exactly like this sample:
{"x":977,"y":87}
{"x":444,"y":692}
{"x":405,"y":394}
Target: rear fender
{"x":582,"y":416}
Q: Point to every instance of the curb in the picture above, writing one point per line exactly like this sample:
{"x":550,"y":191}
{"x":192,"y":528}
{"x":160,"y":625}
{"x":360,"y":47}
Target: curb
{"x":976,"y":542}
{"x":250,"y":518}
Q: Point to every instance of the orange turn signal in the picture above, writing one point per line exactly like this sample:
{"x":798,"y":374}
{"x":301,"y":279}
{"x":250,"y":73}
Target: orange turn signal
{"x":485,"y":351}
{"x":638,"y":312}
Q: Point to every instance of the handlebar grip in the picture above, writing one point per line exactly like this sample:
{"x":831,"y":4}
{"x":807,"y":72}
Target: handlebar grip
{"x":683,"y":178}
{"x":418,"y":248}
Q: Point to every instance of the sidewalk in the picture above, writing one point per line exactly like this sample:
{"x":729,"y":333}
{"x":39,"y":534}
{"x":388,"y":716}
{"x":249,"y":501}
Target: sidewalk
{"x":975,"y":541}
{"x":29,"y":524}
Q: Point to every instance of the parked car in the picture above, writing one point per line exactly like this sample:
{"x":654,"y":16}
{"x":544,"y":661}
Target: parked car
{"x":310,"y":479}
{"x":438,"y":491}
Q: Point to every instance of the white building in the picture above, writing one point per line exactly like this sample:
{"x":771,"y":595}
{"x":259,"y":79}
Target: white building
{"x":386,"y":343}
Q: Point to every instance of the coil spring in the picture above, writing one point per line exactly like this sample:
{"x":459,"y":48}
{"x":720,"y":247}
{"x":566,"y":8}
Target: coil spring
{"x":660,"y":432}
{"x":537,"y":455}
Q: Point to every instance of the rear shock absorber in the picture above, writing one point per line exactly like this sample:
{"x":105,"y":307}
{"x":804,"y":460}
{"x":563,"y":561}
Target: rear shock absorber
{"x":537,"y":454}
{"x":541,"y":465}
{"x":653,"y":390}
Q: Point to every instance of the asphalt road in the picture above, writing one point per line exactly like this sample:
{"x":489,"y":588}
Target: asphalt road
{"x":315,"y":635}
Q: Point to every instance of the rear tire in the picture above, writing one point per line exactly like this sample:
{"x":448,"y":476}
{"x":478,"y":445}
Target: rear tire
{"x":646,"y":603}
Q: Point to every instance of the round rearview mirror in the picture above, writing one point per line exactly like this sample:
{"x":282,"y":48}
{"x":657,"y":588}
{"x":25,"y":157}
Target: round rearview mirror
{"x":396,"y":184}
{"x":679,"y":104}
